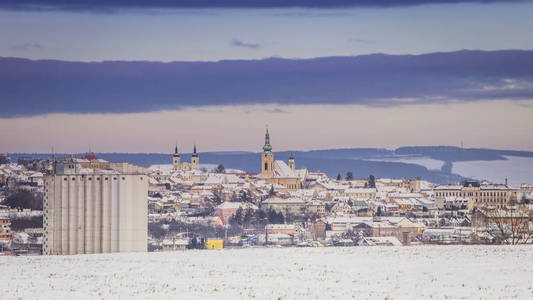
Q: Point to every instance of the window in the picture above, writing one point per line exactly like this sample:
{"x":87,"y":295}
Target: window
{"x":266,"y":166}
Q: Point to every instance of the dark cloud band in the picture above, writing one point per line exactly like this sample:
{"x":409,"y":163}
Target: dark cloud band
{"x":48,"y":86}
{"x":110,"y":5}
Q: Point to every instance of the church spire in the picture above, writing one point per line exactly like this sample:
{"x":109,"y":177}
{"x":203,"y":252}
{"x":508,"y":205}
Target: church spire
{"x":176,"y":154}
{"x":267,"y":147}
{"x":194,"y":153}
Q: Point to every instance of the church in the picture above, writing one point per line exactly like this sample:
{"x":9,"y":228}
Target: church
{"x":185,"y":166}
{"x":277,"y":171}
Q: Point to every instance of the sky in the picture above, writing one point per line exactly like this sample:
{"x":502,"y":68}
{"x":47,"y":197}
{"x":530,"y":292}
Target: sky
{"x":139,"y":76}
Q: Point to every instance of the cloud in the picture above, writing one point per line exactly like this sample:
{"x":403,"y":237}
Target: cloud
{"x":25,"y":47}
{"x":239,"y":43}
{"x":29,"y":87}
{"x":361,"y":41}
{"x":113,"y":5}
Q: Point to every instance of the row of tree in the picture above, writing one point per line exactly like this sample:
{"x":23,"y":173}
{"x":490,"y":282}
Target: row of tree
{"x":371,"y":179}
{"x":23,"y":199}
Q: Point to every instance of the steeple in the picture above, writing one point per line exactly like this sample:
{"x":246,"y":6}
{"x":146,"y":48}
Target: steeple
{"x":267,"y":147}
{"x":195,"y":161}
{"x":291,"y":162}
{"x":194,"y":153}
{"x":176,"y":160}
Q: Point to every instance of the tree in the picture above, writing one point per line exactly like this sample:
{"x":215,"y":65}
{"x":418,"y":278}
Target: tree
{"x":508,"y":225}
{"x":220,"y":169}
{"x":156,"y":230}
{"x":260,"y":218}
{"x":379,"y":212}
{"x":193,"y":243}
{"x":339,"y":177}
{"x":272,"y":192}
{"x":371,"y":182}
{"x":237,"y":217}
{"x":275,"y":217}
{"x":4,"y":159}
{"x":248,"y":216}
{"x":349,"y":176}
{"x":234,"y":197}
{"x":217,"y":199}
{"x":24,"y":199}
{"x":244,"y":196}
{"x":281,"y":218}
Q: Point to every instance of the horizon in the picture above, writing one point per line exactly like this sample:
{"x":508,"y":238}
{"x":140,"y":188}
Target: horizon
{"x":117,"y":76}
{"x":274,"y":150}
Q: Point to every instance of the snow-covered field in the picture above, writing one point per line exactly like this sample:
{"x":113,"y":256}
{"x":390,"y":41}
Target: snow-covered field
{"x":419,"y":272}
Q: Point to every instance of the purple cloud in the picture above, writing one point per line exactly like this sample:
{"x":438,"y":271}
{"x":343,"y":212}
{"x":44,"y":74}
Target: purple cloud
{"x":30,"y":87}
{"x":111,"y":5}
{"x":239,"y":43}
{"x":25,"y":47}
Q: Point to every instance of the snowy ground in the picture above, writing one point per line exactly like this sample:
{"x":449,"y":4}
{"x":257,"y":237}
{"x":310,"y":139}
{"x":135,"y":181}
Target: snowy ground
{"x":423,"y":272}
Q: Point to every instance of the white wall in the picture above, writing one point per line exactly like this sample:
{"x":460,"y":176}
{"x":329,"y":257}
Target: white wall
{"x":89,"y":214}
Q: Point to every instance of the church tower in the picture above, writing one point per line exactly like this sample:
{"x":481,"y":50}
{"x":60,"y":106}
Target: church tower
{"x":291,"y":162}
{"x":176,"y":159}
{"x":267,"y":159}
{"x":195,"y":162}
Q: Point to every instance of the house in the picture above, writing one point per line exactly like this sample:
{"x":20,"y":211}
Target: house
{"x":316,"y":207}
{"x":280,"y":228}
{"x":380,"y":241}
{"x":5,"y":230}
{"x":174,"y":244}
{"x":279,"y":239}
{"x":318,"y":230}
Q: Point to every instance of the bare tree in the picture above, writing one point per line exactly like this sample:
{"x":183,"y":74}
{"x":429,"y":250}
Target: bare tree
{"x":509,"y":225}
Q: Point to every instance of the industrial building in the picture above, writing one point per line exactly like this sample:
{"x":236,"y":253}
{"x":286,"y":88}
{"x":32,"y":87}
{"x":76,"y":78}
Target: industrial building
{"x":91,"y":210}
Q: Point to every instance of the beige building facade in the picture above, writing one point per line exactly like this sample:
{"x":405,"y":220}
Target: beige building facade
{"x":497,"y":195}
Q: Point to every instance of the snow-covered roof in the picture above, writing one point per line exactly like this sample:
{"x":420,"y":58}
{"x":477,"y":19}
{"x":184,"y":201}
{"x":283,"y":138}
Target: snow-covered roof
{"x":276,"y":200}
{"x":282,"y":170}
{"x":236,"y":205}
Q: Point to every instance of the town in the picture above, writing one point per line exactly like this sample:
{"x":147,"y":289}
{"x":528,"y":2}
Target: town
{"x":82,"y":205}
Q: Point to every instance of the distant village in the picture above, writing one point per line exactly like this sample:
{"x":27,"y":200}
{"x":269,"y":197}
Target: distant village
{"x":88,"y":205}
